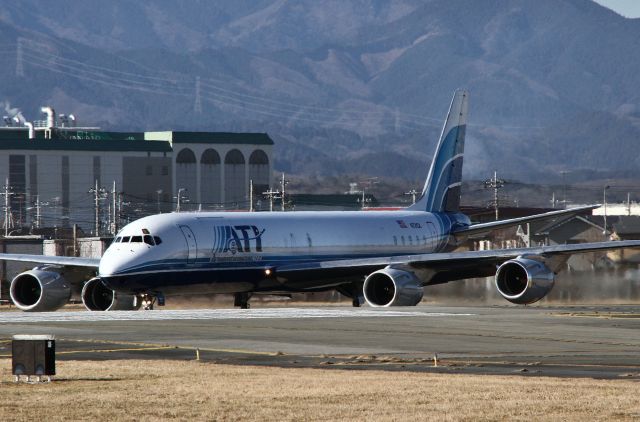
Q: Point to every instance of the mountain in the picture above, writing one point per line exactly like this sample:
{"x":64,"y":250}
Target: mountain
{"x":358,"y":87}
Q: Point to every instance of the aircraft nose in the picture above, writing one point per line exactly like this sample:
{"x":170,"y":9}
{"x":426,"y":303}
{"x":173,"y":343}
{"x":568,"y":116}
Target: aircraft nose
{"x":111,"y":264}
{"x":108,"y":268}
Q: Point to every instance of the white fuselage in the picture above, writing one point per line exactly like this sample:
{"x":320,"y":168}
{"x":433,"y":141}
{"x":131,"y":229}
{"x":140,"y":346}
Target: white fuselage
{"x":196,"y":247}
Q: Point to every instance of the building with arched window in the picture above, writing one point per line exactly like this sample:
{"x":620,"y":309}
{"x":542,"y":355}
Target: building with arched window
{"x":215,"y":168}
{"x":56,"y":169}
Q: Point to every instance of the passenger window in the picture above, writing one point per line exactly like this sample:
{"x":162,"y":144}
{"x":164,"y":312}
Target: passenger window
{"x":125,"y":239}
{"x":137,"y":239}
{"x":157,"y":239}
{"x":148,"y":240}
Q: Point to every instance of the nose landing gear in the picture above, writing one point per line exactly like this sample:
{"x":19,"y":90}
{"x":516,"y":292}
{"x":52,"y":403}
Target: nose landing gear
{"x":147,"y":300}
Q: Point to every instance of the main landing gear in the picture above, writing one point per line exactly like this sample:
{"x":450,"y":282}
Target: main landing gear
{"x":242,"y":300}
{"x":354,"y":292}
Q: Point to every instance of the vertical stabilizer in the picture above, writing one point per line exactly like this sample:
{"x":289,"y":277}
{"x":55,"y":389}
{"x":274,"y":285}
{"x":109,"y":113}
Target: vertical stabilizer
{"x":441,"y":191}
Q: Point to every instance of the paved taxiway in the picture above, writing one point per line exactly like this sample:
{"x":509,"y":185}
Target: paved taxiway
{"x":563,"y":341}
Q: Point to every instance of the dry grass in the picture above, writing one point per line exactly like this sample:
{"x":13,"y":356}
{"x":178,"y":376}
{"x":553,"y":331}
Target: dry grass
{"x":152,"y":390}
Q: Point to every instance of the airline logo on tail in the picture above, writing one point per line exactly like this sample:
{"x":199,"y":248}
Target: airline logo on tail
{"x":441,"y":191}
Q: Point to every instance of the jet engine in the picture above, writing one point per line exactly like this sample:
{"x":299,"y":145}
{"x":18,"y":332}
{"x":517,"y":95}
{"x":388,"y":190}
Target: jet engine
{"x":524,"y":281}
{"x":98,"y":297}
{"x":392,"y":287}
{"x":40,"y":289}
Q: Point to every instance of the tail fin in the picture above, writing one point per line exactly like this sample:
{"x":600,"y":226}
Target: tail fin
{"x":441,"y":191}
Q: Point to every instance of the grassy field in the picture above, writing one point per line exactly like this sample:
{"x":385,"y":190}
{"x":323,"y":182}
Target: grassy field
{"x":153,"y":390}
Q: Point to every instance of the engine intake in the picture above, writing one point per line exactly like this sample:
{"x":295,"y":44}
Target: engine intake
{"x":524,"y":281}
{"x":39,"y":290}
{"x":392,"y":287}
{"x":98,"y":297}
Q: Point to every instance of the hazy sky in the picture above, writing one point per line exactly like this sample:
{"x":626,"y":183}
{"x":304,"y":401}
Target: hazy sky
{"x":628,"y":8}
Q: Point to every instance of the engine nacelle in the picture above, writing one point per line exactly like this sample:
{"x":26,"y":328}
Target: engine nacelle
{"x":40,"y":289}
{"x":98,"y":297}
{"x":524,"y":281}
{"x":392,"y":287}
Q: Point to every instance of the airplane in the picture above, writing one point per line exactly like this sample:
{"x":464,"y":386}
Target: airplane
{"x":378,"y":258}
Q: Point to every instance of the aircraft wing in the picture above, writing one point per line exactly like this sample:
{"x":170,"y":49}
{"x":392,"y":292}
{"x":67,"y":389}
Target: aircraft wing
{"x":68,"y":261}
{"x":448,"y":266}
{"x":484,"y":228}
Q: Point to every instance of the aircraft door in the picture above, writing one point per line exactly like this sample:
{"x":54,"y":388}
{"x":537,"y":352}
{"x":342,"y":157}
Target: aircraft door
{"x":432,"y":236}
{"x":192,"y":244}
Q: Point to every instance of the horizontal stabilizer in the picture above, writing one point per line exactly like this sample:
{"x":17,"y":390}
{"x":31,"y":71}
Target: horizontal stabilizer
{"x":484,"y":228}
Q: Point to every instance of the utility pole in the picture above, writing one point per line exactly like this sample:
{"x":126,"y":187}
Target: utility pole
{"x":109,"y":215}
{"x":628,"y":203}
{"x":120,"y":194}
{"x":564,"y":188}
{"x":250,"y":195}
{"x":179,"y":198}
{"x":8,"y":216}
{"x":604,"y":197}
{"x":283,"y":183}
{"x":271,"y":194}
{"x":413,"y":194}
{"x":38,"y":213}
{"x":97,"y":194}
{"x":369,"y":182}
{"x":158,"y":193}
{"x":495,"y":184}
{"x":114,"y":200}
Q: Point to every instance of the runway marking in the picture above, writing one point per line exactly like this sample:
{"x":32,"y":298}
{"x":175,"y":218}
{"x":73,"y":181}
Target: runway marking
{"x":151,"y":346}
{"x":219,"y":314}
{"x":605,"y":315}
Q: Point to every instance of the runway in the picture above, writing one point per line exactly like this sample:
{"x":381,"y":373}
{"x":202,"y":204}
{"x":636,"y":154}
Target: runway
{"x":267,"y":313}
{"x":594,"y":341}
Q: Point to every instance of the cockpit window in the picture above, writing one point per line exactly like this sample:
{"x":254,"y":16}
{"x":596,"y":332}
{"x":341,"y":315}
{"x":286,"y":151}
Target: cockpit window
{"x":117,"y":240}
{"x":125,"y":239}
{"x":148,"y":240}
{"x":137,"y":239}
{"x":157,"y":239}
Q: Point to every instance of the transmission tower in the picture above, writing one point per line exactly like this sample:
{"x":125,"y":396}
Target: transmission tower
{"x":19,"y":61}
{"x":197,"y":105}
{"x":495,"y":184}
